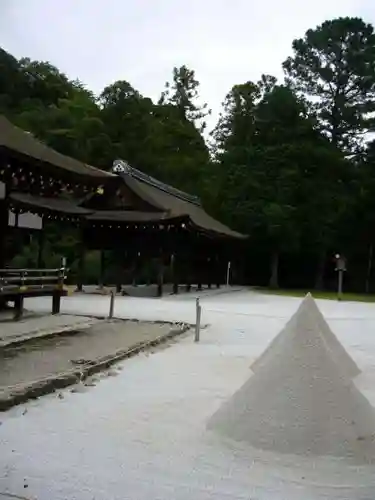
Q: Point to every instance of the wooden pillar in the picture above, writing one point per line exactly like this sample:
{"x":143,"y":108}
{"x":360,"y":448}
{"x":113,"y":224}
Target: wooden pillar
{"x":81,"y":266}
{"x":188,"y":270}
{"x":41,"y":242}
{"x":137,"y":265}
{"x":199,"y":280}
{"x":188,"y":274}
{"x":3,"y":232}
{"x":102,"y":269}
{"x":209,"y":272}
{"x":199,"y":268}
{"x":218,"y":278}
{"x":120,"y":259}
{"x":160,"y":278}
{"x":175,"y":273}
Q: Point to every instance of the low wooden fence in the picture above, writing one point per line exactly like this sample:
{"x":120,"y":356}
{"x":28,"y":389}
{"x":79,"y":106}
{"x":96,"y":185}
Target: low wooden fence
{"x":16,"y":284}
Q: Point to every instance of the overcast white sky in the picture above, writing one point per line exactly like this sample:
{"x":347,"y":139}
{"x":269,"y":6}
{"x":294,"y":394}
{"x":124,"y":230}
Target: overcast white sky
{"x":224,"y":41}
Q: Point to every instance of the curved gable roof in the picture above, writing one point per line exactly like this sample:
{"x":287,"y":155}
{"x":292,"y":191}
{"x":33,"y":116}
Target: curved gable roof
{"x":16,"y":140}
{"x":168,"y":199}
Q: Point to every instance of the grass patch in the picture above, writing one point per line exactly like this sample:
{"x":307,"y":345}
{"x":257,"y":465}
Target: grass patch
{"x":347,"y":297}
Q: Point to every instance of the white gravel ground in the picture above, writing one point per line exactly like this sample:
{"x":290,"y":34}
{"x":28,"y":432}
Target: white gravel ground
{"x":142,"y":435}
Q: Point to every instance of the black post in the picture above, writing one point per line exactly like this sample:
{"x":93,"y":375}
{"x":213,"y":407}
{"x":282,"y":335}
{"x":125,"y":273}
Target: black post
{"x":340,"y":268}
{"x":339,"y":285}
{"x":18,"y":307}
{"x":56,"y":302}
{"x":57,"y":293}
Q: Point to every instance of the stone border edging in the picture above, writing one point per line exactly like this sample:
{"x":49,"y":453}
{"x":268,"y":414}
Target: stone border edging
{"x":46,"y":386}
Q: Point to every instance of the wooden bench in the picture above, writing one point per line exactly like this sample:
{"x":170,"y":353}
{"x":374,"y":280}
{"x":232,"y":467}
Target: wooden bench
{"x":16,"y":284}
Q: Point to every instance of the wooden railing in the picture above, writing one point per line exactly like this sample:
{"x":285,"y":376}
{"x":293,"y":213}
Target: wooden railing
{"x":16,"y":284}
{"x":31,"y":279}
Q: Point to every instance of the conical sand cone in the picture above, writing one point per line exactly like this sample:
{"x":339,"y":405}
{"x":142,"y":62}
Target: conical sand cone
{"x":300,"y":402}
{"x":338,"y":352}
{"x":343,"y":359}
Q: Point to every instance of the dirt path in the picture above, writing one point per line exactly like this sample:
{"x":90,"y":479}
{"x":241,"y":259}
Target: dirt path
{"x":23,"y":365}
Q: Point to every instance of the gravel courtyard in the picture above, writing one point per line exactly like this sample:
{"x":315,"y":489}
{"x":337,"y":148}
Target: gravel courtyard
{"x":143,"y":434}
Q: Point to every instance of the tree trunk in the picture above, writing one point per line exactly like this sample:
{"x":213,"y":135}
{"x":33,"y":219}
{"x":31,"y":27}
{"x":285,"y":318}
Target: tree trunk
{"x":274,"y":279}
{"x":319,"y":277}
{"x":369,"y":268}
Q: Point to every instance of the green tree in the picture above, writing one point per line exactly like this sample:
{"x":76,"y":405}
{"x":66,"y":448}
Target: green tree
{"x":72,"y":126}
{"x":236,"y":122}
{"x":356,"y":231}
{"x":12,"y":83}
{"x":153,"y":137}
{"x":323,"y":199}
{"x":127,"y":117}
{"x":334,"y":67}
{"x":183,"y":93}
{"x":179,"y":151}
{"x":271,"y":159}
{"x":45,"y":82}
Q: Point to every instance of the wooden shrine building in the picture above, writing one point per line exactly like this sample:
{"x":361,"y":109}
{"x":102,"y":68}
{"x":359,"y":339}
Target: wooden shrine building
{"x":126,"y":211}
{"x":148,"y":219}
{"x":37,"y":182}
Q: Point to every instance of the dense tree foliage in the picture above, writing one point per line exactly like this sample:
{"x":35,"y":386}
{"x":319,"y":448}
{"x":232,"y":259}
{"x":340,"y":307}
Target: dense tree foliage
{"x":274,"y":168}
{"x":289,"y":163}
{"x":334,"y":65}
{"x":183,"y":93}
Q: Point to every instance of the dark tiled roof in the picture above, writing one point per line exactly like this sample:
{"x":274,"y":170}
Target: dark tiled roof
{"x":129,"y":216}
{"x":24,"y":143}
{"x":163,"y":197}
{"x":56,"y":205}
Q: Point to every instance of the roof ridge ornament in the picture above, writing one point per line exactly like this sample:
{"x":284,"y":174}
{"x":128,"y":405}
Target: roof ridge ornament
{"x":121,"y":167}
